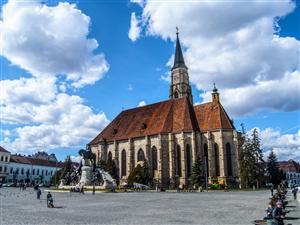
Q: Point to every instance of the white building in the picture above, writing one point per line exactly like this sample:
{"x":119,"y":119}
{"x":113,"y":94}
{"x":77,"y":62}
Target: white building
{"x":4,"y":164}
{"x":31,"y":170}
{"x":292,"y":171}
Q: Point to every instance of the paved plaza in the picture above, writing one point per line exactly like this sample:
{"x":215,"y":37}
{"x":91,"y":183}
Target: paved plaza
{"x":237,"y":207}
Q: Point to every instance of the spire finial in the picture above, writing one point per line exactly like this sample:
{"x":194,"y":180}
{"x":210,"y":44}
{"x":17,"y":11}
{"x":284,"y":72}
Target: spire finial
{"x":215,"y":89}
{"x":177,"y":30}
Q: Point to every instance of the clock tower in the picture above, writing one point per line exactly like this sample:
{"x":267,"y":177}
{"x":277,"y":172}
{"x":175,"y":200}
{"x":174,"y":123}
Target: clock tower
{"x":180,"y":85}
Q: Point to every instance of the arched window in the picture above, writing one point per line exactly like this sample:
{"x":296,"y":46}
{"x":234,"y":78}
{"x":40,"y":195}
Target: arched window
{"x":154,"y":158}
{"x":6,"y":159}
{"x":141,"y":155}
{"x":206,"y":158}
{"x":228,"y":159}
{"x":123,"y":161}
{"x":109,"y":157}
{"x":178,"y":151}
{"x":22,"y":171}
{"x":176,"y":94}
{"x":217,"y":161}
{"x":1,"y":158}
{"x":188,"y":160}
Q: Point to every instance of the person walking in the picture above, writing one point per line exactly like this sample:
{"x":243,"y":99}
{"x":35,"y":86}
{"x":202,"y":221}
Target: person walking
{"x":272,"y":190}
{"x":38,"y":193}
{"x":295,"y":191}
{"x":278,"y":214}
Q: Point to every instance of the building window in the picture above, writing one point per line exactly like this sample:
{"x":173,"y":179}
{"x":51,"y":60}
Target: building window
{"x":109,"y":156}
{"x":33,"y":172}
{"x":46,"y":172}
{"x":6,"y":159}
{"x":217,"y":161}
{"x":0,"y":169}
{"x":5,"y":169}
{"x":178,"y":153}
{"x":42,"y":172}
{"x":176,"y":94}
{"x":38,"y":172}
{"x":22,"y":171}
{"x":51,"y":172}
{"x":11,"y":170}
{"x":2,"y":158}
{"x":141,"y":155}
{"x":188,"y":160}
{"x":123,"y":161}
{"x":206,"y":159}
{"x":17,"y":171}
{"x":228,"y":159}
{"x":154,"y":158}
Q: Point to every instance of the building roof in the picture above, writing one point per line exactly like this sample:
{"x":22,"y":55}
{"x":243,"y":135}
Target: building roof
{"x":3,"y":150}
{"x":34,"y":161}
{"x":289,"y":166}
{"x":212,"y":116}
{"x":171,"y":116}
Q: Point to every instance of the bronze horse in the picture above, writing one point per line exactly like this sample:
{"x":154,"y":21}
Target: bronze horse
{"x":88,"y":154}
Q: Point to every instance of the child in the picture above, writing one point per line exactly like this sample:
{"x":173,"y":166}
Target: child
{"x":269,"y":211}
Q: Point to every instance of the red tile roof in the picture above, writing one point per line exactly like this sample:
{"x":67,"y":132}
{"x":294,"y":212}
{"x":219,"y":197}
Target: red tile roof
{"x":212,"y":116}
{"x":289,"y":166}
{"x":174,"y":115}
{"x":3,"y":150}
{"x":34,"y":161}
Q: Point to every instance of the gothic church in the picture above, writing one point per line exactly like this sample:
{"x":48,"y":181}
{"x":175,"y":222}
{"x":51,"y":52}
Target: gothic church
{"x":171,"y":134}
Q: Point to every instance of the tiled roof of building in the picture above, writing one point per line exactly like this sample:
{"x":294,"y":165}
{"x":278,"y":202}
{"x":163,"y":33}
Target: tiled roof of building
{"x":289,"y":166}
{"x":34,"y":161}
{"x":212,"y":116}
{"x":174,"y":115}
{"x":3,"y":150}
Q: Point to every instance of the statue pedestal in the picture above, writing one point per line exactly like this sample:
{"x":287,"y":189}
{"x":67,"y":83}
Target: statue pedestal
{"x":86,"y":175}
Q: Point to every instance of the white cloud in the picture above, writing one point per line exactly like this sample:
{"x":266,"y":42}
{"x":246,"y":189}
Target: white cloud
{"x":286,"y":146}
{"x":234,"y":44}
{"x":76,"y":159}
{"x":63,"y":123}
{"x":51,"y":40}
{"x":142,"y":103}
{"x":130,"y":88}
{"x":261,"y":95}
{"x":135,"y":30}
{"x":139,"y":2}
{"x":51,"y":43}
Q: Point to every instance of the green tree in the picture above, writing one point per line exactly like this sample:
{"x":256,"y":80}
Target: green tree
{"x":140,"y":174}
{"x":252,"y":165}
{"x":198,"y":173}
{"x":110,"y":167}
{"x":259,"y":164}
{"x":274,"y":174}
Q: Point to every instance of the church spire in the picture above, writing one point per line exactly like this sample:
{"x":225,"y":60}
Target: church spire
{"x":180,"y":85}
{"x":178,"y":59}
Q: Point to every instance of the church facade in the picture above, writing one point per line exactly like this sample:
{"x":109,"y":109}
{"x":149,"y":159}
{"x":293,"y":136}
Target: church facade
{"x":171,"y":134}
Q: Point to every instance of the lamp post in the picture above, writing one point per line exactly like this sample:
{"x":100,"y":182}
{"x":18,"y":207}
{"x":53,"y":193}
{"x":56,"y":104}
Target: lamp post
{"x":206,"y":178}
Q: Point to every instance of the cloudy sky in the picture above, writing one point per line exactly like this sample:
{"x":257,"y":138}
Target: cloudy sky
{"x":68,"y":68}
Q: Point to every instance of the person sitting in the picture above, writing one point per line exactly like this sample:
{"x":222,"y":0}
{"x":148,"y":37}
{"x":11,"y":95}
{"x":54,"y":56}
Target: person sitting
{"x":269,"y":211}
{"x":49,"y":200}
{"x":278,"y":213}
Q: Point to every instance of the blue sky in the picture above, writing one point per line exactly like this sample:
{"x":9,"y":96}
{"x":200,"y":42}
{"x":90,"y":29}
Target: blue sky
{"x":137,"y":68}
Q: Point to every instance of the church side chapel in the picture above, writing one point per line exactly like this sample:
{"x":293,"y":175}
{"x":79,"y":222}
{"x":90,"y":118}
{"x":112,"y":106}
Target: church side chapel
{"x":171,"y":134}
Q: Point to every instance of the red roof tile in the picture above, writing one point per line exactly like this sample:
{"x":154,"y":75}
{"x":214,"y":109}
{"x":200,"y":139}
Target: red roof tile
{"x":34,"y":161}
{"x":212,"y":116}
{"x":174,"y":115}
{"x":289,"y":166}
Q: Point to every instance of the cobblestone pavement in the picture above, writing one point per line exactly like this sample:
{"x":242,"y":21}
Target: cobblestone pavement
{"x":212,"y":208}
